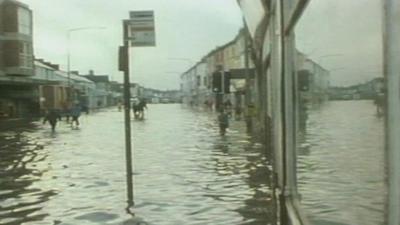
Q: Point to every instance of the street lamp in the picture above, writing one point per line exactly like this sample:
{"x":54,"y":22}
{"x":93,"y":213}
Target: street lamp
{"x":69,"y":32}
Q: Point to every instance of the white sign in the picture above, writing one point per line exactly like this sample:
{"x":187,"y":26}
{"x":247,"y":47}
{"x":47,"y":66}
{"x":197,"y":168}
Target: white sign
{"x":141,"y":29}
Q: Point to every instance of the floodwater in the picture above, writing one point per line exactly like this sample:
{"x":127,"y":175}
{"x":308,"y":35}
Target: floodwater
{"x":341,"y":164}
{"x":185,"y":172}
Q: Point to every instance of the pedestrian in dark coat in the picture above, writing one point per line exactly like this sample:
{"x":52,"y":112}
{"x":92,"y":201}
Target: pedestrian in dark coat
{"x":52,"y":116}
{"x":75,"y":113}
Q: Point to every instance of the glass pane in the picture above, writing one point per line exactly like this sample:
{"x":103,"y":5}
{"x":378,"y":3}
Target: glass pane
{"x":24,"y":21}
{"x":253,"y":12}
{"x":340,"y":139}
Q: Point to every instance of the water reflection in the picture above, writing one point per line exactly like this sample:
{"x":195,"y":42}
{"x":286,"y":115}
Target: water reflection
{"x":185,"y":172}
{"x":340,"y":163}
{"x":21,"y":165}
{"x":259,"y":208}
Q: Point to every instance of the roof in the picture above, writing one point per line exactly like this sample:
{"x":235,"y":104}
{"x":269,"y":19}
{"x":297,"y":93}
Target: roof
{"x":60,"y":73}
{"x":40,"y":64}
{"x":216,"y":50}
{"x":97,"y":78}
{"x":73,"y":76}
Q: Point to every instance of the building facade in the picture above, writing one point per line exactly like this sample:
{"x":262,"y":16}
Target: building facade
{"x":53,"y":88}
{"x":18,"y":94}
{"x":197,"y":82}
{"x":103,"y":92}
{"x":313,"y":80}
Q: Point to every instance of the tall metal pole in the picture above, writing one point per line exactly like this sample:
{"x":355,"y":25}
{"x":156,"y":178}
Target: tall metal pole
{"x":128,"y":140}
{"x":69,"y":66}
{"x":247,"y":96}
{"x":246,"y":65}
{"x":392,"y":120}
{"x":222,"y":86}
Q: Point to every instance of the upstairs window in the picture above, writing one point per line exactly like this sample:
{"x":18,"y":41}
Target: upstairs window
{"x":24,"y":21}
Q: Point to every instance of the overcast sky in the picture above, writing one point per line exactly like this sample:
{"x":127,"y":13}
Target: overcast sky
{"x":345,"y":37}
{"x":186,"y":29}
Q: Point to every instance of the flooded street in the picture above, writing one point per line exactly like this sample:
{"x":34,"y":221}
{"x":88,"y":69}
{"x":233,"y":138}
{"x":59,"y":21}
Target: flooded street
{"x":341,"y":164}
{"x":185,"y":172}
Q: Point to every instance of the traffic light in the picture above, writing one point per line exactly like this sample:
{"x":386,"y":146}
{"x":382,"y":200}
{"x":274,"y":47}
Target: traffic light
{"x":217,"y":84}
{"x":227,"y":82}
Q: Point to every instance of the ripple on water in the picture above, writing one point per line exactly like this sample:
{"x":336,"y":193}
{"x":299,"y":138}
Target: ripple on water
{"x":341,"y":165}
{"x":185,"y":173}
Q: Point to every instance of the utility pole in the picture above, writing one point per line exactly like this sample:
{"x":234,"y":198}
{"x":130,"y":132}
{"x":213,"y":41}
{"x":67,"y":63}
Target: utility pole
{"x":222,"y":85}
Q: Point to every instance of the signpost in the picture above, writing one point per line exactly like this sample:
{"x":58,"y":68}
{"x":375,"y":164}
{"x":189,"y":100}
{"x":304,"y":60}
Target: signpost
{"x":138,"y":31}
{"x":141,"y":32}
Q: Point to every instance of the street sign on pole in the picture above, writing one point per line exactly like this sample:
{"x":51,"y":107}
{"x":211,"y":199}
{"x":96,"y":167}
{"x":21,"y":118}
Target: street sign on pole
{"x":141,"y":29}
{"x":138,"y":31}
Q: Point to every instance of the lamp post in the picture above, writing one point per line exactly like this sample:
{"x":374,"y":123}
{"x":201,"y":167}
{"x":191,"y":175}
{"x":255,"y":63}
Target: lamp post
{"x":69,"y":32}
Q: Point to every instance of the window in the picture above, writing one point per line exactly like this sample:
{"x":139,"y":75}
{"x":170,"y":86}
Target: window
{"x":24,"y":21}
{"x":198,"y":80}
{"x":25,"y":55}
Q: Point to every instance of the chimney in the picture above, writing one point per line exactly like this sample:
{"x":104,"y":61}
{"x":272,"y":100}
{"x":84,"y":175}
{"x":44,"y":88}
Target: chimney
{"x":91,"y":72}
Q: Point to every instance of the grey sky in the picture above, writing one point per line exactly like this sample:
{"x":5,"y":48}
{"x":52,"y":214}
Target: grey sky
{"x":345,"y":37}
{"x":184,"y":28}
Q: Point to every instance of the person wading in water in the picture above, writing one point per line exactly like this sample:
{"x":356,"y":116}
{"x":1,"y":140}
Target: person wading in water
{"x":223,"y":121}
{"x":140,"y":108}
{"x":52,"y":116}
{"x":75,"y":113}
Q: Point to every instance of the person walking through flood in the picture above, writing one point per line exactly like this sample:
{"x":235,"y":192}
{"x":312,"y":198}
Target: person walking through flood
{"x":238,"y":112}
{"x":140,"y":107}
{"x":75,"y":113}
{"x":119,"y":105}
{"x":66,"y":108}
{"x":52,"y":116}
{"x":85,"y":108}
{"x":135,"y":109}
{"x":379,"y":102}
{"x":251,"y":112}
{"x":223,"y":121}
{"x":228,"y":107}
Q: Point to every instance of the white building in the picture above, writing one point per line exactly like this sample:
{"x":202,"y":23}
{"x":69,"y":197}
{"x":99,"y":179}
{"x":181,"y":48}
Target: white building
{"x":313,"y":79}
